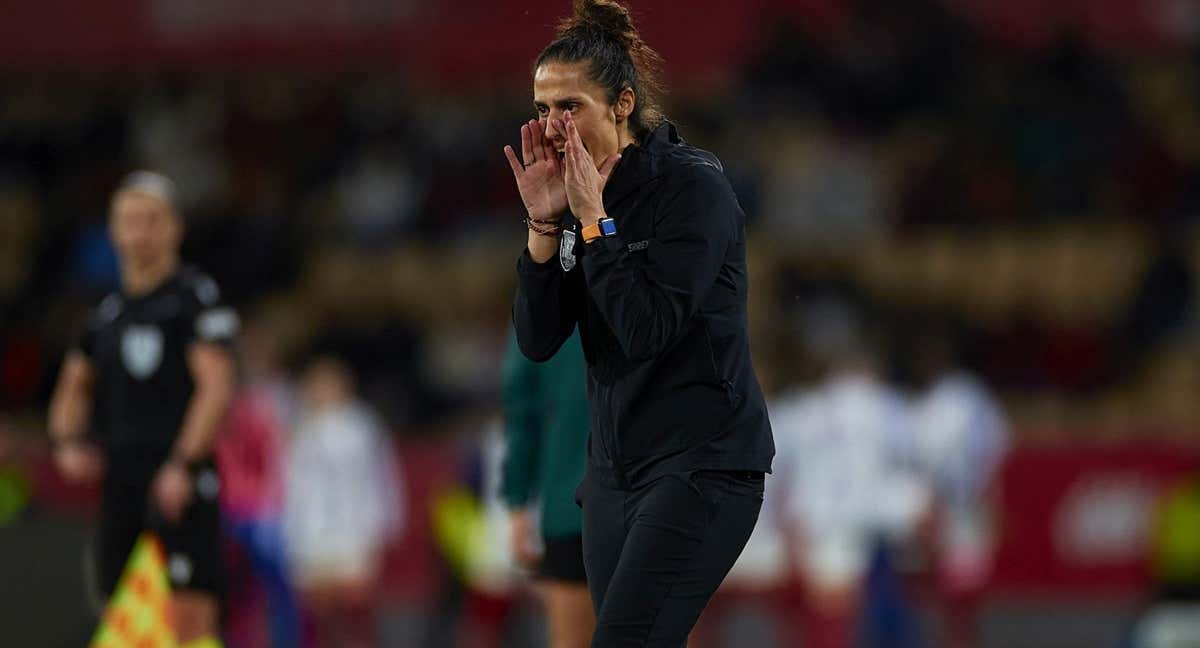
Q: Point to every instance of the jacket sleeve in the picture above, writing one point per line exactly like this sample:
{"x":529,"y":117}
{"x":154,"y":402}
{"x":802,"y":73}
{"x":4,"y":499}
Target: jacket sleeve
{"x":523,"y":422}
{"x":543,"y":311}
{"x":648,"y":301}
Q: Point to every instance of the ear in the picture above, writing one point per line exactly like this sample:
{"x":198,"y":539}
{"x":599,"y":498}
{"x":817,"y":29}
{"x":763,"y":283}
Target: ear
{"x":626,"y":101}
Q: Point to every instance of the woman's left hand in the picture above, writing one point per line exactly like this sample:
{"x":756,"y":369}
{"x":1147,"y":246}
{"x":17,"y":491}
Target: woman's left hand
{"x":584,"y":181}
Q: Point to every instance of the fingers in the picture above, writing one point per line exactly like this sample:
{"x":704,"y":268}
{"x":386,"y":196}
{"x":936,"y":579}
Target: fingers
{"x":582,"y":156}
{"x":517,"y":169}
{"x":171,"y":511}
{"x":539,"y":142}
{"x":527,"y":145}
{"x":573,"y":139}
{"x":548,"y":146}
{"x":569,"y":160}
{"x":171,"y":501}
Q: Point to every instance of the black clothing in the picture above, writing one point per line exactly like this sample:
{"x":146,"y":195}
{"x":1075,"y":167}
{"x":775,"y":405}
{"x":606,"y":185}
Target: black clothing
{"x":661,"y":309}
{"x":138,"y":348}
{"x":562,"y":560}
{"x":191,"y":546}
{"x":656,"y":554}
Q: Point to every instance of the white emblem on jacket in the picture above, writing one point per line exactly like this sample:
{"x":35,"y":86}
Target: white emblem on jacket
{"x":141,"y":350}
{"x":566,"y":250}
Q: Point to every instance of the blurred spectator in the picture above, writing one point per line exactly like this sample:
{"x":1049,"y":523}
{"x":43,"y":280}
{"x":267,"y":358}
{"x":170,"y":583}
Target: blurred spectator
{"x":378,"y":200}
{"x":846,"y":473}
{"x":342,"y":505}
{"x":961,"y":439}
{"x":14,"y":485}
{"x":478,"y":537}
{"x":1172,"y":620}
{"x":250,"y":459}
{"x":1163,"y":302}
{"x":822,"y":189}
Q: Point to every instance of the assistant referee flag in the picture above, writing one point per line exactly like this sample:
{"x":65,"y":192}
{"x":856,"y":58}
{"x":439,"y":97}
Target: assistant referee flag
{"x":136,"y":616}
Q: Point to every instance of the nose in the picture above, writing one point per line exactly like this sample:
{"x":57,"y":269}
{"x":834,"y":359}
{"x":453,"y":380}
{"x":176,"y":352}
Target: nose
{"x":552,"y":132}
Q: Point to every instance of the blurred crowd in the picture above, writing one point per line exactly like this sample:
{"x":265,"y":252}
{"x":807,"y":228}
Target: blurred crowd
{"x":1044,"y":199}
{"x":956,"y":246}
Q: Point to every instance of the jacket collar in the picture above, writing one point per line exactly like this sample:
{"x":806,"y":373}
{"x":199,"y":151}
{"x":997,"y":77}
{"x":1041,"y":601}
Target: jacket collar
{"x":640,"y":163}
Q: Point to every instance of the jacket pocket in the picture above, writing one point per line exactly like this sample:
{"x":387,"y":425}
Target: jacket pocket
{"x":731,"y":395}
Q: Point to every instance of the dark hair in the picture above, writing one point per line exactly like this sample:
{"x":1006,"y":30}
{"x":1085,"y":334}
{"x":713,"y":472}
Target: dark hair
{"x":601,"y":32}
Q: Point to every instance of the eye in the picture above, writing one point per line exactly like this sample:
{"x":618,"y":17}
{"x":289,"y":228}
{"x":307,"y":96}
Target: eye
{"x":571,"y":107}
{"x":542,"y":111}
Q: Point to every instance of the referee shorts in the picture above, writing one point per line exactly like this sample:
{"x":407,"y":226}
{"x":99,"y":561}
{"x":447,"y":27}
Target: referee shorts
{"x":192,"y":545}
{"x":562,"y":561}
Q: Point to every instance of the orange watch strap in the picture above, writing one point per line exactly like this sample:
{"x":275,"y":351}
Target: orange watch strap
{"x":591,"y":232}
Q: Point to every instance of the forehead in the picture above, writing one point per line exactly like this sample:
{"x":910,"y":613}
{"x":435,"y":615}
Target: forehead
{"x":555,"y":80}
{"x":140,"y":202}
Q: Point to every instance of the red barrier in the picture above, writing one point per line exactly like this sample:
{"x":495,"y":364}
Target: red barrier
{"x":1079,"y":519}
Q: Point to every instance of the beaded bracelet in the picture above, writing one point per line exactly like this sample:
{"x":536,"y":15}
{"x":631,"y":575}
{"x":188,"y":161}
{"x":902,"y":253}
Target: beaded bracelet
{"x":539,"y":227}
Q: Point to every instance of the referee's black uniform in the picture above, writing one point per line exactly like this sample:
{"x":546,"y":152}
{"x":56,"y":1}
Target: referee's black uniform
{"x":138,"y":348}
{"x":680,"y":437}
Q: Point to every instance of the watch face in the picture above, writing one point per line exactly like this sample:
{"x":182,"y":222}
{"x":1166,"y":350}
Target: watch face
{"x":608,"y":227}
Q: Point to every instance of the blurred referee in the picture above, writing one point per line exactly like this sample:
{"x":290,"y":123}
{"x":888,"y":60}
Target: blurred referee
{"x":139,"y":402}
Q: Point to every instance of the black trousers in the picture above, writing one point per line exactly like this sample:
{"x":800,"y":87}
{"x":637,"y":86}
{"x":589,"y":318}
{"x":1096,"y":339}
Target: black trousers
{"x":655,"y":555}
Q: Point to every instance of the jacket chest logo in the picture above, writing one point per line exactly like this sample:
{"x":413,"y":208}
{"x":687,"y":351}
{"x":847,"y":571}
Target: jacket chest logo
{"x":142,"y":350}
{"x":566,"y":250}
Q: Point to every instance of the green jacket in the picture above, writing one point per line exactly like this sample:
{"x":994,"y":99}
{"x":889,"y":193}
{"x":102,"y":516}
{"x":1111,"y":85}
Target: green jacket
{"x":546,"y":424}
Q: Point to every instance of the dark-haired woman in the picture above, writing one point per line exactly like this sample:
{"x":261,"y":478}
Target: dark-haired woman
{"x":636,"y":237}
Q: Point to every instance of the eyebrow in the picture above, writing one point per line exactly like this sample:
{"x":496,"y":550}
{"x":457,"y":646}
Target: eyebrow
{"x":560,"y":102}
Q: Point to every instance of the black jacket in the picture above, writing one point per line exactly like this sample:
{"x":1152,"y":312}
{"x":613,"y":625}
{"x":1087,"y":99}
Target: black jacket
{"x":661,"y":309}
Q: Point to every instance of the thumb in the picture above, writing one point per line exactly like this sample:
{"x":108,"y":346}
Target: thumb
{"x":606,"y":168}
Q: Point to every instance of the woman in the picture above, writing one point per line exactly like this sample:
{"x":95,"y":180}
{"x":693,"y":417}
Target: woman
{"x":546,"y":429}
{"x":636,"y":237}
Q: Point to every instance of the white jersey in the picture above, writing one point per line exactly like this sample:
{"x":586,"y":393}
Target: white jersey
{"x":961,"y":436}
{"x":845,"y":472}
{"x":343,"y":493}
{"x":961,"y":439}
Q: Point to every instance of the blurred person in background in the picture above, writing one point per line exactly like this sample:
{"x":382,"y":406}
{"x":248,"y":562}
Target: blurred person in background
{"x":846,"y":475}
{"x":1171,"y":619}
{"x":546,"y":424}
{"x":650,"y":264}
{"x":342,"y":505}
{"x":250,"y":459}
{"x":139,"y":403}
{"x":475,"y":531}
{"x":14,"y":482}
{"x":961,"y":439}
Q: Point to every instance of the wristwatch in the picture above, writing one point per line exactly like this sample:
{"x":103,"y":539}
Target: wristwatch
{"x":603,"y":228}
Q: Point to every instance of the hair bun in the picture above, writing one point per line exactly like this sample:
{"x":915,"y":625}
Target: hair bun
{"x":606,"y":15}
{"x":601,"y":35}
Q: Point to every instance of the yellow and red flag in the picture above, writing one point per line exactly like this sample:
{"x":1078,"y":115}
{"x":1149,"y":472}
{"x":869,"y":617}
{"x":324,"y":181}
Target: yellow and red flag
{"x":136,"y":616}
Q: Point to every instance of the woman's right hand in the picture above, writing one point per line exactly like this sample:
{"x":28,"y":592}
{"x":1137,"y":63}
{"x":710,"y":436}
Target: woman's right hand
{"x":540,"y":178}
